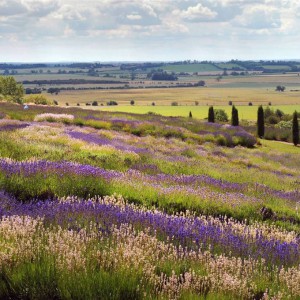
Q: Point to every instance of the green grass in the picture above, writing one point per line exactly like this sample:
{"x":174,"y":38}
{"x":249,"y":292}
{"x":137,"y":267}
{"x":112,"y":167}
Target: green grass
{"x":199,"y":112}
{"x":280,"y":147}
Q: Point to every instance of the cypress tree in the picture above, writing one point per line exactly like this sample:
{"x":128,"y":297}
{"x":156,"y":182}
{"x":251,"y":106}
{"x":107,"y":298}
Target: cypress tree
{"x":295,"y":129}
{"x":234,"y":116}
{"x":190,"y":115}
{"x":211,"y":115}
{"x":260,"y":122}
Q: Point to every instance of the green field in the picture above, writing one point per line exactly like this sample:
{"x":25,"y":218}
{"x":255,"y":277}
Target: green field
{"x":199,"y":112}
{"x":191,"y":68}
{"x":229,"y":66}
{"x":275,"y":67}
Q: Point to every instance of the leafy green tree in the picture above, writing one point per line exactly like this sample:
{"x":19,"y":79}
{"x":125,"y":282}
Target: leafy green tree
{"x":234,"y":116}
{"x":295,"y":129}
{"x":11,"y":90}
{"x":260,"y":122}
{"x":211,"y":115}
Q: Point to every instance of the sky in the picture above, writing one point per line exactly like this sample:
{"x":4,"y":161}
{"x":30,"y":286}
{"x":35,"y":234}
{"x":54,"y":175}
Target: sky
{"x":148,"y":30}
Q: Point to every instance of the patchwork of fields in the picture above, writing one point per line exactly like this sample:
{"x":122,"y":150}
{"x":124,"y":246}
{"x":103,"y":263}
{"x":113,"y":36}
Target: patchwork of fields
{"x":116,"y":205}
{"x":183,"y":96}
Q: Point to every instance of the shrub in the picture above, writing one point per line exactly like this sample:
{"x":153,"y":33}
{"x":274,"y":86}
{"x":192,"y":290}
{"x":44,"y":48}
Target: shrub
{"x":230,"y":103}
{"x":111,"y":103}
{"x":268,"y":112}
{"x":55,"y":102}
{"x":221,"y":140}
{"x":196,"y":103}
{"x":78,"y":104}
{"x":220,"y":115}
{"x":54,"y":118}
{"x":39,"y":99}
{"x":270,"y":134}
{"x":153,"y":104}
{"x":287,"y":117}
{"x":250,"y":103}
{"x":272,"y":120}
{"x":174,"y":103}
{"x":284,"y":124}
{"x":284,"y":136}
{"x":94,"y":103}
{"x":244,"y":139}
{"x":280,"y":88}
{"x":132,"y":102}
{"x":279,"y":113}
{"x":67,"y":103}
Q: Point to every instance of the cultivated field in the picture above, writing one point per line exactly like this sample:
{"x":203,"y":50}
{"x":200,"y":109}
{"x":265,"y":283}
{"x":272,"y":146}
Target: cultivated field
{"x":199,"y":112}
{"x":108,"y":205}
{"x":185,"y":97}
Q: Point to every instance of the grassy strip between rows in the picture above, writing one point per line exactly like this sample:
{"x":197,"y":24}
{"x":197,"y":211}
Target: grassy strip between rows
{"x":50,"y":186}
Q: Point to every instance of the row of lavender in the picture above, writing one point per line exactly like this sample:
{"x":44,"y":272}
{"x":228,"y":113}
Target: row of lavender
{"x":143,"y":253}
{"x":219,"y":235}
{"x":195,"y":182}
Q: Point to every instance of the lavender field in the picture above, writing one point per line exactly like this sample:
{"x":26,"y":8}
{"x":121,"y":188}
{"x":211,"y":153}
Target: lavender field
{"x":107,"y":205}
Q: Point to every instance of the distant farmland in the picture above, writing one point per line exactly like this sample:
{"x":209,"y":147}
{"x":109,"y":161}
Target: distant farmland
{"x":191,"y":68}
{"x":183,"y":96}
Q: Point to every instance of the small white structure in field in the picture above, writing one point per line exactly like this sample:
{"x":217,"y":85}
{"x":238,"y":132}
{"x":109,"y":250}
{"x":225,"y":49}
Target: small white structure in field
{"x":26,"y":106}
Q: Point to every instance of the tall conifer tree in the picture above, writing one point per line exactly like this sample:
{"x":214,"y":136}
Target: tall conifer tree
{"x":295,"y":129}
{"x":234,"y":116}
{"x":260,"y":122}
{"x":211,"y":115}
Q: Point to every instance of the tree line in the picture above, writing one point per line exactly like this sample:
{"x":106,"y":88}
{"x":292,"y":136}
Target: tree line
{"x":213,"y":115}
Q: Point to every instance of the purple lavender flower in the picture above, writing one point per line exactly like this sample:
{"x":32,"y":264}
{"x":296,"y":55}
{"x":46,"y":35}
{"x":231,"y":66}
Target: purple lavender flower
{"x":188,"y":232}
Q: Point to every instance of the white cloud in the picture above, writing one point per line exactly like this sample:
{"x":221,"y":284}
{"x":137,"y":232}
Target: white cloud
{"x":146,"y":24}
{"x":11,"y":8}
{"x":259,"y":17}
{"x":133,"y":17}
{"x":196,"y":13}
